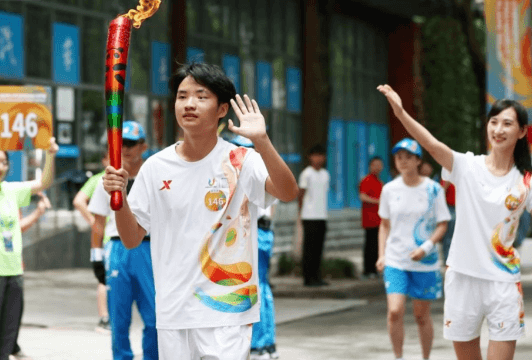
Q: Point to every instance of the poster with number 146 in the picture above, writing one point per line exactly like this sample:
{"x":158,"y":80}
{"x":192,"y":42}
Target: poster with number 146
{"x":25,"y":117}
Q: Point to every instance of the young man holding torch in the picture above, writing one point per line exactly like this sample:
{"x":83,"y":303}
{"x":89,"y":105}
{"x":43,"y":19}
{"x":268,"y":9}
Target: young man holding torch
{"x":198,"y":199}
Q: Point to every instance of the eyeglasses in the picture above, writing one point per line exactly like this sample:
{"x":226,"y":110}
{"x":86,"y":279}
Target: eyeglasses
{"x":129,"y":143}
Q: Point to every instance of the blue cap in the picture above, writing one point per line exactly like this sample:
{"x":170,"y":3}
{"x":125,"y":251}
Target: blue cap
{"x":409,"y":145}
{"x":132,"y":130}
{"x":240,"y":140}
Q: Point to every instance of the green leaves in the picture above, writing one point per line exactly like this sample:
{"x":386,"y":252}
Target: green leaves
{"x":451,"y":98}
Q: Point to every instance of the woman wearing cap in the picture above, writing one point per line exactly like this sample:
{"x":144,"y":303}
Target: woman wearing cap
{"x":492,"y":191}
{"x":414,"y":218}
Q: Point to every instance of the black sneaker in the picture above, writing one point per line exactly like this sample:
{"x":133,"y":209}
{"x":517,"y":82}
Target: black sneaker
{"x":259,"y":354}
{"x":103,"y":326}
{"x":272,"y":350}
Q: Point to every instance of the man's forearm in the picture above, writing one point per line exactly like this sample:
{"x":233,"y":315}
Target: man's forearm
{"x":131,"y":233}
{"x":280,"y":174}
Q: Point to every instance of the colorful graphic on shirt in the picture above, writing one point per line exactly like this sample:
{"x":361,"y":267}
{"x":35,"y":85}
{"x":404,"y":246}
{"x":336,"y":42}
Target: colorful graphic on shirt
{"x":503,"y":254}
{"x":7,"y":225}
{"x":427,"y":223}
{"x":228,"y":239}
{"x":215,"y":200}
{"x":7,"y":221}
{"x":239,"y":301}
{"x":221,"y":274}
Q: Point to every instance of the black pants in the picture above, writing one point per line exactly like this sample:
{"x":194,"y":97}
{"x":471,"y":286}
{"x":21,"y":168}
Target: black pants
{"x":313,"y":239}
{"x":10,"y":311}
{"x":371,"y":250}
{"x":17,"y":348}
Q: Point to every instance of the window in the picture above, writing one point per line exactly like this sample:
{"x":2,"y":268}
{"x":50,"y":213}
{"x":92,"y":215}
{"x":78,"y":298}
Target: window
{"x":358,"y":126}
{"x":93,"y":41}
{"x":92,"y":125}
{"x":39,"y":42}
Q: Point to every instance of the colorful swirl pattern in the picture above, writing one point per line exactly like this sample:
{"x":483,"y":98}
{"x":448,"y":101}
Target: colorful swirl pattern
{"x":236,"y":233}
{"x":503,"y":254}
{"x":427,"y":223}
{"x":235,"y":302}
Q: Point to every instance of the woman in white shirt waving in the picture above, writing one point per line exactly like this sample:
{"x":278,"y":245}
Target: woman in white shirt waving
{"x":414,"y":217}
{"x":492,"y":191}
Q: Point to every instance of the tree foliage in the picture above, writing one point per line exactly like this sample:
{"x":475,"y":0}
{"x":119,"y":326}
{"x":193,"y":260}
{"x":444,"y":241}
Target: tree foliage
{"x":451,"y":98}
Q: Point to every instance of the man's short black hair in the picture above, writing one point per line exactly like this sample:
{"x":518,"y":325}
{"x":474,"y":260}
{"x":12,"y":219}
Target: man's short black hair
{"x":210,"y":76}
{"x":317,"y":149}
{"x":375,"y":158}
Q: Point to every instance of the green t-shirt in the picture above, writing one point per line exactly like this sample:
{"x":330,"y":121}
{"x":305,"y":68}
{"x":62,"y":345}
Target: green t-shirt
{"x":88,"y":189}
{"x":13,"y":196}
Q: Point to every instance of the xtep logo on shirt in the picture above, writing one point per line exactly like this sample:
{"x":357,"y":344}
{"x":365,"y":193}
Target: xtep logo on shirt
{"x":166,"y":185}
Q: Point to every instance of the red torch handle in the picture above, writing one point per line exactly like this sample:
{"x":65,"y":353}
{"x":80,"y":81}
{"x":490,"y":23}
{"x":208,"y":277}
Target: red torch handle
{"x":115,"y":82}
{"x":114,"y":137}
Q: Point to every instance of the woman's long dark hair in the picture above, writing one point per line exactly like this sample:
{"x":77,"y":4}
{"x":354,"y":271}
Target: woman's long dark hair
{"x":522,"y":158}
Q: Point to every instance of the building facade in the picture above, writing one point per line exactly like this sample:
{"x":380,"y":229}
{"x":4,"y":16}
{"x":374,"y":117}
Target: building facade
{"x":312,"y":65}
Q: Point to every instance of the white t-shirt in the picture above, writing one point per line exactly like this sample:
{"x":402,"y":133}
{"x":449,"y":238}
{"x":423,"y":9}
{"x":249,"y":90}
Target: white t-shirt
{"x":488,"y":208}
{"x":414,"y":212}
{"x":202,"y":217}
{"x":100,"y":205}
{"x":316,"y":185}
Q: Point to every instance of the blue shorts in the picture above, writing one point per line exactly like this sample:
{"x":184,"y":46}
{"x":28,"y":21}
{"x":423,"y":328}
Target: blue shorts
{"x":416,"y":284}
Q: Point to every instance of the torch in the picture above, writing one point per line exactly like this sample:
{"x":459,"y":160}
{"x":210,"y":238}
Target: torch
{"x":118,"y":40}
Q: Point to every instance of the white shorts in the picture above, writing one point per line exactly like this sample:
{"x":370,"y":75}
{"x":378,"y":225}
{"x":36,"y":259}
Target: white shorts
{"x":216,"y":343}
{"x":468,"y":300}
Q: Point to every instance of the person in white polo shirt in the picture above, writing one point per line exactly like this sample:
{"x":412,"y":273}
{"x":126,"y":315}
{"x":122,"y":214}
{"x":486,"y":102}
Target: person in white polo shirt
{"x":314,"y":187}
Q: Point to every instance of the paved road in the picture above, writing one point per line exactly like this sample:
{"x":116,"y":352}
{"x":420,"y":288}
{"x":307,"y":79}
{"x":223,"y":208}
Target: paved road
{"x":60,"y":315}
{"x":360,"y":333}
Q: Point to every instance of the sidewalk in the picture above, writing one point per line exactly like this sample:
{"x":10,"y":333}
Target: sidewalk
{"x":60,"y":312}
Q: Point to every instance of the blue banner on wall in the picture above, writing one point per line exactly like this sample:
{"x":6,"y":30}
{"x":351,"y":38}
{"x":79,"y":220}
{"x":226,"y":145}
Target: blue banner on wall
{"x":231,"y":65}
{"x":378,"y":145}
{"x":17,"y":166}
{"x":65,"y":57}
{"x":336,"y":163}
{"x":264,"y":84}
{"x":195,"y":54}
{"x":356,"y":159}
{"x":160,"y":67}
{"x":68,"y":151}
{"x":11,"y":45}
{"x":293,"y":89}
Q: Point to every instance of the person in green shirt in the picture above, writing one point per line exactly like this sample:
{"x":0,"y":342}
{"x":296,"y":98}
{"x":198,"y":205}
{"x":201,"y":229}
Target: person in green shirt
{"x":13,"y":196}
{"x":25,"y":224}
{"x":81,"y":202}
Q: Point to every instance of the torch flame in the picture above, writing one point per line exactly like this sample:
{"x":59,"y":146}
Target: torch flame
{"x":145,"y":9}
